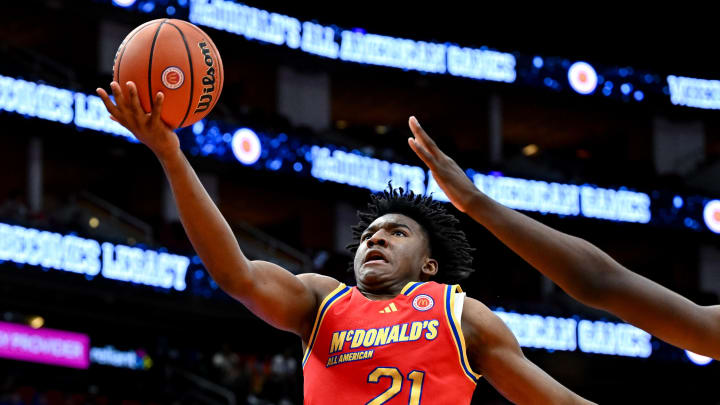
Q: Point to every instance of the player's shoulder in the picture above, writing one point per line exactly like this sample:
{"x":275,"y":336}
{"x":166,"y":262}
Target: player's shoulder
{"x":476,"y":312}
{"x":479,"y":323}
{"x":319,"y":284}
{"x":713,"y":319}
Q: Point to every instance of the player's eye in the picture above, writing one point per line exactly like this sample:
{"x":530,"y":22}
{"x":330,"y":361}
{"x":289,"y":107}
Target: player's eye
{"x":364,"y":237}
{"x":399,"y":233}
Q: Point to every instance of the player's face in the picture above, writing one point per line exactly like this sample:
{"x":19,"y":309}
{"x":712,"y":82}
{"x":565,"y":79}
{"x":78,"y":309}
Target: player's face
{"x":394,"y":248}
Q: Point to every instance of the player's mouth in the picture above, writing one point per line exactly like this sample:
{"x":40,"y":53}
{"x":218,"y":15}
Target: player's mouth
{"x":375,"y":257}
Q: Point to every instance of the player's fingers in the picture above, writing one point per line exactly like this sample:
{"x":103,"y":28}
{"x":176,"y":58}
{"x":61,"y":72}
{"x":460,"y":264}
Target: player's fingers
{"x":157,"y":106}
{"x":114,"y":119}
{"x":109,"y":105}
{"x":133,"y":96}
{"x":422,"y":153}
{"x":118,"y":94}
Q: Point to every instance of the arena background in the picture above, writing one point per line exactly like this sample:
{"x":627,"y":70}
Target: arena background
{"x":633,"y":167}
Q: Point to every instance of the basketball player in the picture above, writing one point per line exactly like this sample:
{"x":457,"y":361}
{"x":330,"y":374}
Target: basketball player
{"x":395,"y":338}
{"x":578,"y":267}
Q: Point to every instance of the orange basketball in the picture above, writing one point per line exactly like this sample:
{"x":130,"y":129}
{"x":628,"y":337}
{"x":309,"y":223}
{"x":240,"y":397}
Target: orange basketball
{"x":177,"y":58}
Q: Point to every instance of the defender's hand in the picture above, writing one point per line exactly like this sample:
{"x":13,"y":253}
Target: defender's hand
{"x":449,"y":176}
{"x":148,"y":128}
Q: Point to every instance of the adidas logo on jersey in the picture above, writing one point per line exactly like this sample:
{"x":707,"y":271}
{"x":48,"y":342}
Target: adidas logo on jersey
{"x":389,"y":308}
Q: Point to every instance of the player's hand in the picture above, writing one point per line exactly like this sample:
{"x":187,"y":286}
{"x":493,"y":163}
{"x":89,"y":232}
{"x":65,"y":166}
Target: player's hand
{"x":148,"y":128}
{"x":449,"y":176}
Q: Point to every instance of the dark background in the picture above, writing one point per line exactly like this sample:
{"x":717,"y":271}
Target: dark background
{"x":580,"y":139}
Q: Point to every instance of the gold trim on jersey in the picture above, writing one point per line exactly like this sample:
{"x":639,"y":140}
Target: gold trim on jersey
{"x":457,"y":334}
{"x":410,"y":287}
{"x":329,"y":300}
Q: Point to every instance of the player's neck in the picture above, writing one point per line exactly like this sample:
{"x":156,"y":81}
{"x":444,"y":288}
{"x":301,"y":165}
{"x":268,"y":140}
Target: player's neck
{"x":378,"y":297}
{"x":386,"y":291}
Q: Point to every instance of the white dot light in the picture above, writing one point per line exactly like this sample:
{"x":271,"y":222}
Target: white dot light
{"x":711,"y":215}
{"x":124,"y":3}
{"x":698,"y":359}
{"x":198,"y":127}
{"x":37,"y":322}
{"x":582,"y":77}
{"x":246,"y":146}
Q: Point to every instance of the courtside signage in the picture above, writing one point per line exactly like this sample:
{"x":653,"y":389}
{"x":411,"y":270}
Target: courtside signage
{"x":569,"y":334}
{"x":130,"y":359}
{"x":358,"y":46}
{"x":91,"y":258}
{"x":275,"y":152}
{"x":47,"y":346}
{"x":354,"y":45}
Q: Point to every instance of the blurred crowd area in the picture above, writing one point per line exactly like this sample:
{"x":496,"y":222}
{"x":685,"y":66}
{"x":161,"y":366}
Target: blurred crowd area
{"x":269,"y":380}
{"x":186,"y":377}
{"x":27,"y":395}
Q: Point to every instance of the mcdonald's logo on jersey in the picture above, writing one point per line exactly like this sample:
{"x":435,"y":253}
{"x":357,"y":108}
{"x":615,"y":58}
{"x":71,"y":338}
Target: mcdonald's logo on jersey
{"x":423,"y":302}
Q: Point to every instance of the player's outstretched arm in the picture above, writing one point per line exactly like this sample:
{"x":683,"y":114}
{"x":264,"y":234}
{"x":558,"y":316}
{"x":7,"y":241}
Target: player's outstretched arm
{"x":495,"y":353}
{"x":578,"y":267}
{"x":271,"y":292}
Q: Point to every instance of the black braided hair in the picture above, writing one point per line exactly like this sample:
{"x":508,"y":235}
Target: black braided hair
{"x":448,"y":245}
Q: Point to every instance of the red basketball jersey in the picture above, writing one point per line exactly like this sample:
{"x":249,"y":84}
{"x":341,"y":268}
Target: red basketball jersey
{"x":408,"y":350}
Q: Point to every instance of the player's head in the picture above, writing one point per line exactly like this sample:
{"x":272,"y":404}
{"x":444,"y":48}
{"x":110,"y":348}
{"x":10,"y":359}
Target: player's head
{"x":416,"y":237}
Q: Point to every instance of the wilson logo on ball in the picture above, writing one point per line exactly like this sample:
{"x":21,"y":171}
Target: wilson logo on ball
{"x":208,"y":80}
{"x":172,"y":77}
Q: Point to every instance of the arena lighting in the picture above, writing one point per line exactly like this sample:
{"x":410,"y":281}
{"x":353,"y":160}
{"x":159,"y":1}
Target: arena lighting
{"x":528,"y":195}
{"x":358,"y":46}
{"x":36,"y":322}
{"x":541,"y":332}
{"x":246,"y":146}
{"x":582,"y":77}
{"x":353,"y":45}
{"x":328,"y":163}
{"x":565,"y":199}
{"x":198,"y":127}
{"x":568,"y":334}
{"x":698,"y":359}
{"x":618,"y":339}
{"x":123,"y":3}
{"x":47,"y":102}
{"x":86,"y":111}
{"x":363,"y":171}
{"x":89,"y":257}
{"x":130,"y":359}
{"x":36,"y":100}
{"x":538,"y":62}
{"x":690,"y":92}
{"x":626,"y":88}
{"x":47,"y":346}
{"x":711,"y":215}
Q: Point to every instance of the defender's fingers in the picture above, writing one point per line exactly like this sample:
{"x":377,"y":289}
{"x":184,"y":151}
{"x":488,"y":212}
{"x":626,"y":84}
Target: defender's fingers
{"x":133,"y":96}
{"x":422,"y":136}
{"x":157,"y":106}
{"x":109,"y":105}
{"x":426,"y":157}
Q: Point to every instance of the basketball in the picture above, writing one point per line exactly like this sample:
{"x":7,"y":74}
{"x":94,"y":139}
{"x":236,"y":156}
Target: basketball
{"x":177,"y":58}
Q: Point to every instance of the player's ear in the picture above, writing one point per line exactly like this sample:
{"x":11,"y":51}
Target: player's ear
{"x":430,"y":267}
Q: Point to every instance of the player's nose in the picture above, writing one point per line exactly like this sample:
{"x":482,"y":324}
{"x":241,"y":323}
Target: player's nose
{"x":377,"y":239}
